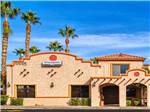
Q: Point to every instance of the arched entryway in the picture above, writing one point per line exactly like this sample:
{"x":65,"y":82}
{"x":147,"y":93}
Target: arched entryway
{"x":136,"y":94}
{"x":109,"y":94}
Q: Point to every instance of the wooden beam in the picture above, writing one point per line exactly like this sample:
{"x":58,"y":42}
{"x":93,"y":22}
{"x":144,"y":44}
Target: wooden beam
{"x":115,"y":81}
{"x":112,"y":77}
{"x":127,"y":82}
{"x":121,"y":81}
{"x":94,"y":83}
{"x":96,"y":80}
{"x":109,"y":80}
{"x":140,"y":80}
{"x":146,"y":81}
{"x":102,"y":81}
{"x":135,"y":80}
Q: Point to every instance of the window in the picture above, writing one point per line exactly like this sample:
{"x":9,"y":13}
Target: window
{"x":26,"y":91}
{"x":80,"y":91}
{"x":118,"y":69}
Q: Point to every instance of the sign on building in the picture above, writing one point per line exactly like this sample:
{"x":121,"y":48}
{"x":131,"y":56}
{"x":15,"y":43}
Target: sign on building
{"x":52,"y":62}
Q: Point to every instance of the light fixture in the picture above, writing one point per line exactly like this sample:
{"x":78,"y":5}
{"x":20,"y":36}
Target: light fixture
{"x":52,"y":85}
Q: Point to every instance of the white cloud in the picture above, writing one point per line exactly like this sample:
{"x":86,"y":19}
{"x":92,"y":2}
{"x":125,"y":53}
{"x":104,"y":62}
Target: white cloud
{"x":37,"y":40}
{"x":110,"y":41}
{"x":89,"y":45}
{"x":105,"y":40}
{"x":148,"y":58}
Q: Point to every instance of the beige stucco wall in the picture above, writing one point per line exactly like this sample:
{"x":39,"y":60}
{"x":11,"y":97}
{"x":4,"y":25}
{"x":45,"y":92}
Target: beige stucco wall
{"x":46,"y":101}
{"x":107,"y":66}
{"x":39,"y":76}
{"x":65,"y":76}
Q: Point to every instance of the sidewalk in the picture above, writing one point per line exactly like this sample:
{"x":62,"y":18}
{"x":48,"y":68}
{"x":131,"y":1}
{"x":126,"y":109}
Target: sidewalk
{"x":72,"y":107}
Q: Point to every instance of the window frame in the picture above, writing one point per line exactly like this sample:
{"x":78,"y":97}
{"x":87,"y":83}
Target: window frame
{"x":16,"y":88}
{"x":111,"y":70}
{"x":80,"y":86}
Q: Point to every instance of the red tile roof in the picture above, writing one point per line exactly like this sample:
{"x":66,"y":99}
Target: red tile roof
{"x":120,"y":57}
{"x":146,"y":64}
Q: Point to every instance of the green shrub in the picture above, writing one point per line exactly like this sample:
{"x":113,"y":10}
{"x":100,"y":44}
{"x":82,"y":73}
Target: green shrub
{"x":137,"y":102}
{"x":79,"y":101}
{"x":129,"y":102}
{"x":85,"y":101}
{"x":3,"y":99}
{"x":74,"y":101}
{"x":133,"y":101}
{"x":16,"y":101}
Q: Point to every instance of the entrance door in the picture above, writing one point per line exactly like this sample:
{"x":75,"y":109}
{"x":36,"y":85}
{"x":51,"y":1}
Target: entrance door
{"x":111,"y":94}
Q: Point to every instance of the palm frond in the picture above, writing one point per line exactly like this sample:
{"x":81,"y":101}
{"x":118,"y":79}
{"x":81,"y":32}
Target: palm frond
{"x":19,"y":52}
{"x":34,"y":49}
{"x":55,"y":46}
{"x":68,"y":30}
{"x":14,"y":12}
{"x":31,"y":17}
{"x":75,"y":36}
{"x":62,"y":32}
{"x":8,"y":11}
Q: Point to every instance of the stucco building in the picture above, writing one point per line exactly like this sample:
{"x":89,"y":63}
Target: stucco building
{"x":53,"y":78}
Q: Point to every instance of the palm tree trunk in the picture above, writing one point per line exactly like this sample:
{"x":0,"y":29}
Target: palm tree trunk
{"x":27,"y":41}
{"x":67,"y":43}
{"x":4,"y":54}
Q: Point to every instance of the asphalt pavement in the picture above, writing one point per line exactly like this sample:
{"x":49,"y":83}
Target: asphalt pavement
{"x":78,"y":110}
{"x":7,"y":108}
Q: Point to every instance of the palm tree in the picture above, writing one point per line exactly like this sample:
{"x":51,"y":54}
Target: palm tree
{"x":20,"y":52}
{"x":67,"y":32}
{"x":55,"y":46}
{"x":34,"y":49}
{"x":7,"y":12}
{"x":29,"y":18}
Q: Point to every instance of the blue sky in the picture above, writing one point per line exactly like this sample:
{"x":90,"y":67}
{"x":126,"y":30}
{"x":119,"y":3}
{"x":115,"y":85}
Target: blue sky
{"x":103,"y":27}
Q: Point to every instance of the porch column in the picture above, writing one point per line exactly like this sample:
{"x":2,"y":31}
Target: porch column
{"x":148,"y":95}
{"x":95,"y":96}
{"x":122,"y":96}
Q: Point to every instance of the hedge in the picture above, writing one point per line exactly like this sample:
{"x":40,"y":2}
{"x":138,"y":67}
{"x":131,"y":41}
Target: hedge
{"x":80,"y":101}
{"x":3,"y":99}
{"x":16,"y":101}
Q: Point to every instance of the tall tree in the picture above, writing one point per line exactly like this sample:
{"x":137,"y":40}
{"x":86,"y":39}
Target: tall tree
{"x":29,"y":18}
{"x":55,"y":46}
{"x":7,"y":12}
{"x":19,"y":52}
{"x":67,"y":32}
{"x":34,"y":49}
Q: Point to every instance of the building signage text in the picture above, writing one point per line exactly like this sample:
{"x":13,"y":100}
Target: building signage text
{"x":52,"y":62}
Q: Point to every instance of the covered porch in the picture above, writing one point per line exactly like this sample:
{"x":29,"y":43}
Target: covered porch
{"x":107,"y":91}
